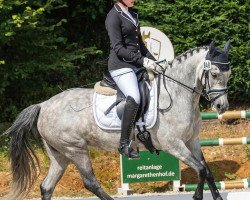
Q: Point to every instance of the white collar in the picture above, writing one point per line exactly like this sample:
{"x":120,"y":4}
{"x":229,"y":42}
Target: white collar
{"x":126,"y":12}
{"x":125,"y":9}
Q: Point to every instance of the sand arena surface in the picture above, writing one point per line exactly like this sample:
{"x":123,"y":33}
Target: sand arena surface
{"x":226,"y":163}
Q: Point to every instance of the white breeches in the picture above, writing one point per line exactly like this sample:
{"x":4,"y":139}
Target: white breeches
{"x":126,"y":80}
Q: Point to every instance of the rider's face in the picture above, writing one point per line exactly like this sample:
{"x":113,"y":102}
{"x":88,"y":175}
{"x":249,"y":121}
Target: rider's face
{"x":129,"y":3}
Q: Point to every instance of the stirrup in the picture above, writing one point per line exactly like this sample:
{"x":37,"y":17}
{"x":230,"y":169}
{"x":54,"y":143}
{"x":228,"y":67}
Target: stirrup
{"x":145,"y":138}
{"x":126,"y":150}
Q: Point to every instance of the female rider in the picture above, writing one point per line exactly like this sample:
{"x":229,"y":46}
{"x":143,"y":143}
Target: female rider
{"x":127,"y":53}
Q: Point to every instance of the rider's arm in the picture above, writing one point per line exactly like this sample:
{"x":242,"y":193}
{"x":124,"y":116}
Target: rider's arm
{"x":113,"y":26}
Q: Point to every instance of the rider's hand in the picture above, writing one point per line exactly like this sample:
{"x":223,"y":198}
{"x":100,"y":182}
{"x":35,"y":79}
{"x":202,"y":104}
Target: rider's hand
{"x":149,"y":64}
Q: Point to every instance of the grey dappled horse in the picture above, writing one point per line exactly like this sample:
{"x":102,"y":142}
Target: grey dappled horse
{"x":67,"y":134}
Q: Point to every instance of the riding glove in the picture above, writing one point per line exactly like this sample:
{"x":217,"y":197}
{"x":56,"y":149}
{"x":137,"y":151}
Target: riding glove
{"x":150,"y":64}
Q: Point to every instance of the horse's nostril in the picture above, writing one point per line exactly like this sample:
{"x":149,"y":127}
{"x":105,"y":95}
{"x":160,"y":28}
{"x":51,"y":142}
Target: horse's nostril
{"x":218,"y":106}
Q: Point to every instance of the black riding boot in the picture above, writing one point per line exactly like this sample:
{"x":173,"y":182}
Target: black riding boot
{"x":128,"y":121}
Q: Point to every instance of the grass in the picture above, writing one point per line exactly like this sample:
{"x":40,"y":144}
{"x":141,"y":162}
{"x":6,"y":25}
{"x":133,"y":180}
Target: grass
{"x":231,"y":176}
{"x":4,"y":163}
{"x":246,"y":149}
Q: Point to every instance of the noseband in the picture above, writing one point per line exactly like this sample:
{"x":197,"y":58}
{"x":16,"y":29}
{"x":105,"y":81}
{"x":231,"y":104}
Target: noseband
{"x":207,"y":91}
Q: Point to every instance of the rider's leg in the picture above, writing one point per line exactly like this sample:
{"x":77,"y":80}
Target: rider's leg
{"x":127,"y":82}
{"x":128,"y":120}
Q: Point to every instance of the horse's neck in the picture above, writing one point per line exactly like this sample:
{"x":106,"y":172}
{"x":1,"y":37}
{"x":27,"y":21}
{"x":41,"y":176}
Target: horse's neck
{"x":188,"y":72}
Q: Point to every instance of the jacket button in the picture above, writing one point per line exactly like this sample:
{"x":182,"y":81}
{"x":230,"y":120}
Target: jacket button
{"x":137,"y":44}
{"x":136,"y":30}
{"x":136,"y":36}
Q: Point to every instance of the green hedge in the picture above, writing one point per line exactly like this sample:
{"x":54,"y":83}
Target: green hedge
{"x":191,"y":23}
{"x":46,"y":44}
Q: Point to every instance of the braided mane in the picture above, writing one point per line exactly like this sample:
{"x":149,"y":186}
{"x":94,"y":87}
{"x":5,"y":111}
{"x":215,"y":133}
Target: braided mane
{"x":190,"y":52}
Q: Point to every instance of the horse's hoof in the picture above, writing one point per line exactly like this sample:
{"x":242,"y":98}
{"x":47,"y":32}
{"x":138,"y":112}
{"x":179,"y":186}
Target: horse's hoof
{"x":219,"y":198}
{"x":197,"y":198}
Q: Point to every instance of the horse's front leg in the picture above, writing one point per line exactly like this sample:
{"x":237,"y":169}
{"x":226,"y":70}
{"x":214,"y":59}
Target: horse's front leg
{"x":195,"y":148}
{"x":198,"y":195}
{"x":210,"y":181}
{"x":177,"y":148}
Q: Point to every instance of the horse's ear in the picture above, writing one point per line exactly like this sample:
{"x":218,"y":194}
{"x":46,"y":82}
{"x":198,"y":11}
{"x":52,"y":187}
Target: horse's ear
{"x":211,"y":47}
{"x":227,"y":46}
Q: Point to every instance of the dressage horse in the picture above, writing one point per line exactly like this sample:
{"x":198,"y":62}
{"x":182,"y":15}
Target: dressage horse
{"x":67,"y":133}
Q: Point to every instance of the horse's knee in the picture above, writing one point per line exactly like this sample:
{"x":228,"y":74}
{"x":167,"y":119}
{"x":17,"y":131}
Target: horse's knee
{"x":202,"y":172}
{"x":46,"y":194}
{"x":210,"y":176}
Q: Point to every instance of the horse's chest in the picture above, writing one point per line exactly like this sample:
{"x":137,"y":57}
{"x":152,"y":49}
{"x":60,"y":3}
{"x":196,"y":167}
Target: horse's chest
{"x":180,"y":128}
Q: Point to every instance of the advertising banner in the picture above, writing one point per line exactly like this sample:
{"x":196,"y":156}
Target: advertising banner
{"x":150,"y":167}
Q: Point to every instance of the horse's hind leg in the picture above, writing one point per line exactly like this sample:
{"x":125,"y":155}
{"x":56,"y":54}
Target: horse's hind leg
{"x":195,"y":148}
{"x":81,"y":159}
{"x":58,"y":165}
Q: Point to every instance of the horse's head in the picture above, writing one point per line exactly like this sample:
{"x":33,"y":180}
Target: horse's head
{"x":215,"y":76}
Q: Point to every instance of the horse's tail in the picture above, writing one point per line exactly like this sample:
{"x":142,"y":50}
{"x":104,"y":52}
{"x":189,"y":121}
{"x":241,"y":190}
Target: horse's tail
{"x":24,"y":162}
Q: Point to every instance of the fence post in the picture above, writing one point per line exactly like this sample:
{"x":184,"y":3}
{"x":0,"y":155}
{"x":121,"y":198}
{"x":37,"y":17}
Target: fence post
{"x":124,"y":189}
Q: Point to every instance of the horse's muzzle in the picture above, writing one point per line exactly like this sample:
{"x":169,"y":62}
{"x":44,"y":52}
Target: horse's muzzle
{"x":221,"y":104}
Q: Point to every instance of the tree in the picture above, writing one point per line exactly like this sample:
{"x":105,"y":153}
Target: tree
{"x":49,"y":43}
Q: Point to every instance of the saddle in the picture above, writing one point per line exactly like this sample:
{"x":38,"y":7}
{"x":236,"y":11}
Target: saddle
{"x":143,"y":80}
{"x":108,"y":87}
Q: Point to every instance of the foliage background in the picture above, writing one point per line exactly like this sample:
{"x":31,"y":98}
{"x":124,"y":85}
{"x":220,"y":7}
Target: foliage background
{"x":49,"y":43}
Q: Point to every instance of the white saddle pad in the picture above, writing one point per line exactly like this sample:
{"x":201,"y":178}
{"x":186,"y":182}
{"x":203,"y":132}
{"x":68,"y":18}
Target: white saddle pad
{"x":111,"y":121}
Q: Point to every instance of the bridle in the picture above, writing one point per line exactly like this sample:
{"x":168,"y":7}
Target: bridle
{"x":207,"y":90}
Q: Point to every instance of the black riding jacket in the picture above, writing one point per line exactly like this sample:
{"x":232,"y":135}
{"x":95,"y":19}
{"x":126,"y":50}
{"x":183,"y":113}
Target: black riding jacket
{"x":127,"y":47}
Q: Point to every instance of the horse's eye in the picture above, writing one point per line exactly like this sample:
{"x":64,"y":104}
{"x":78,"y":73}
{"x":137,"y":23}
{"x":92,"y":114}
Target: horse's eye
{"x":214,"y":75}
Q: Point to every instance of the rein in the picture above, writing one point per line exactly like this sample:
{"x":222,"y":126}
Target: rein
{"x":162,"y":75}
